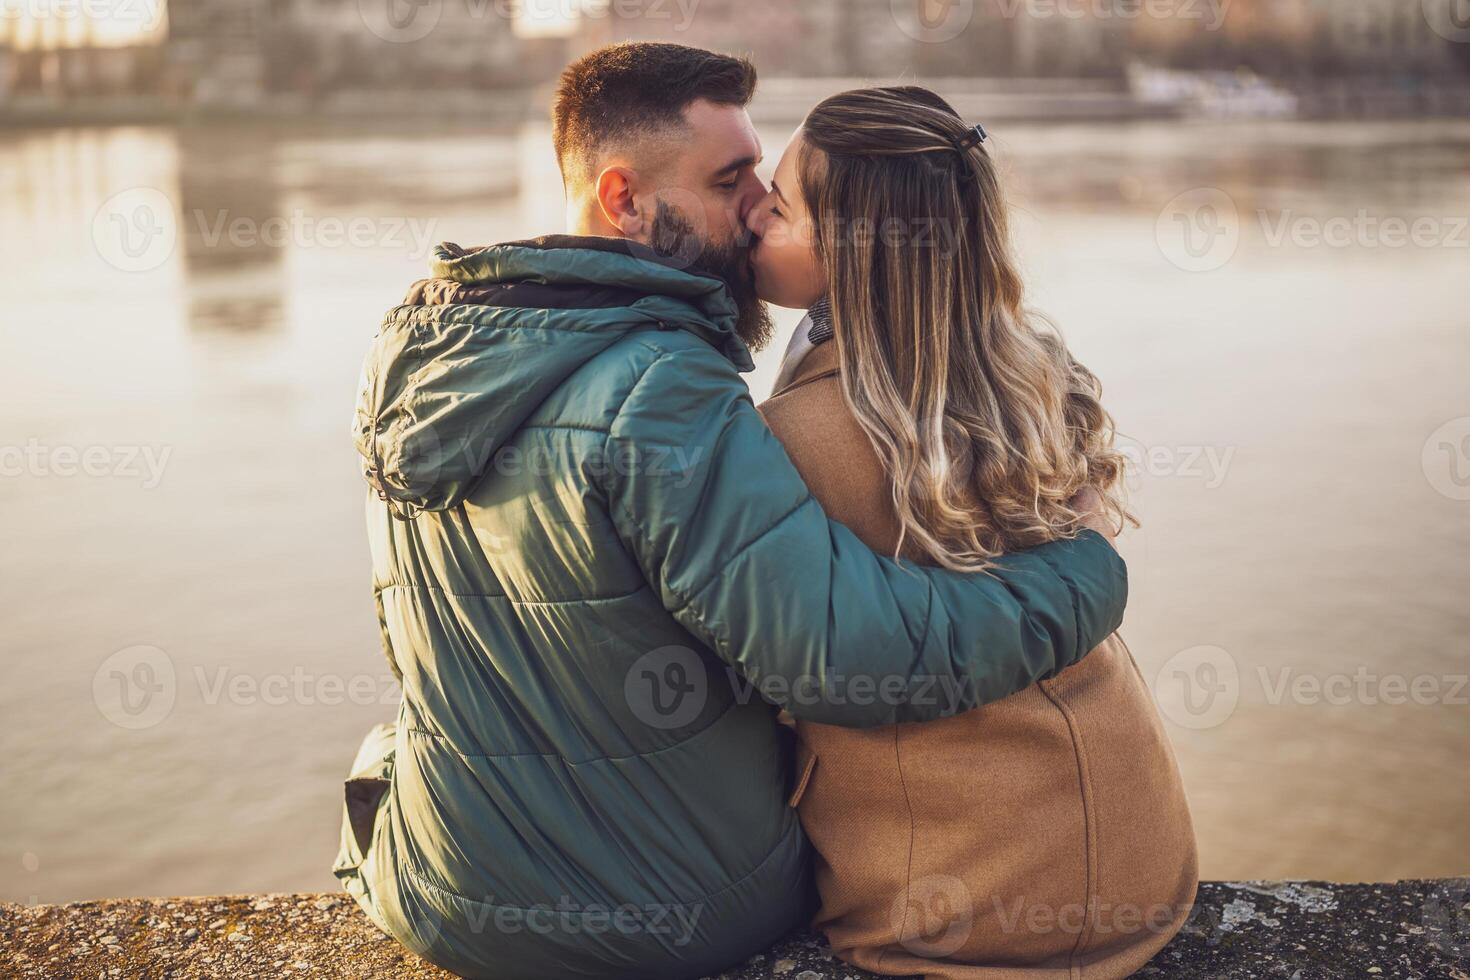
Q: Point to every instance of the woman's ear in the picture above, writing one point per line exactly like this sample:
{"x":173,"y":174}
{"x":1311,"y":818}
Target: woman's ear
{"x":617,"y":189}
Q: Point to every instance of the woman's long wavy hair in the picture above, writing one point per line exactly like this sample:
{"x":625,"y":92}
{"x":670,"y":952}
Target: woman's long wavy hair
{"x":985,"y":424}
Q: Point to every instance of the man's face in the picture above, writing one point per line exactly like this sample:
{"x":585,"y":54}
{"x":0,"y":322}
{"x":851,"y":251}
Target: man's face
{"x":699,"y":203}
{"x":711,"y":178}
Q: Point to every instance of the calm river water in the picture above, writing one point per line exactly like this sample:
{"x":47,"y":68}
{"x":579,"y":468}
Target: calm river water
{"x":1278,"y":312}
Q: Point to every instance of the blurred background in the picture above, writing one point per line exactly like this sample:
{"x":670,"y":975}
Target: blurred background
{"x":1251,"y":218}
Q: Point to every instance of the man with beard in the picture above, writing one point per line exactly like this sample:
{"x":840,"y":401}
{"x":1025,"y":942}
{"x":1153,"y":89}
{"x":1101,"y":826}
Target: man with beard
{"x":598,"y":575}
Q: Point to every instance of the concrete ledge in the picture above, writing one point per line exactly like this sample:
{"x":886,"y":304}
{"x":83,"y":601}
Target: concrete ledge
{"x":1291,"y":930}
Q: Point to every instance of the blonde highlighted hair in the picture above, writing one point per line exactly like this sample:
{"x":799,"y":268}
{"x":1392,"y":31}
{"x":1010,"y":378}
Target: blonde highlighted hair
{"x":985,"y":424}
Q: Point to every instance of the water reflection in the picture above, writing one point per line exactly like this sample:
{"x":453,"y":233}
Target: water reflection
{"x":230,"y":205}
{"x":1279,"y":404}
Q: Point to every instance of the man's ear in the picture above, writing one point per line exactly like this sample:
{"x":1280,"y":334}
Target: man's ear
{"x":617,"y":190}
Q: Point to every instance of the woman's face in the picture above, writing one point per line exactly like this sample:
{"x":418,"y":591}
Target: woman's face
{"x":783,"y":254}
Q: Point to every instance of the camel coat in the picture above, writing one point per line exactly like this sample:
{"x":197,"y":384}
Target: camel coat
{"x":1042,"y":836}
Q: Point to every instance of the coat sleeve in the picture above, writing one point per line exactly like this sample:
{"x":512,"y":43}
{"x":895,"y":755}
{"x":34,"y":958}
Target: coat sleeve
{"x":714,"y":512}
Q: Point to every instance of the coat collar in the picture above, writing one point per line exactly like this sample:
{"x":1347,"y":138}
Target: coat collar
{"x":820,"y":362}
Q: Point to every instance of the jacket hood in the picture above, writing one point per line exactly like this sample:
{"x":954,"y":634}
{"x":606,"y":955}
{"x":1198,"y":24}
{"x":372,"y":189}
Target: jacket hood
{"x":455,"y":371}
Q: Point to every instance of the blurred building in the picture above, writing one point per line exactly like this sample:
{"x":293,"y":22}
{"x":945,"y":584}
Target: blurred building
{"x":1389,"y":36}
{"x":59,"y":52}
{"x":884,"y":38}
{"x":244,"y":52}
{"x":1053,"y":38}
{"x":240,"y":51}
{"x":1312,"y":38}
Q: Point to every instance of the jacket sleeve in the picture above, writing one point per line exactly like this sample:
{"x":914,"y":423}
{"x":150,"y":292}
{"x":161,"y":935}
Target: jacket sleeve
{"x":716,"y":515}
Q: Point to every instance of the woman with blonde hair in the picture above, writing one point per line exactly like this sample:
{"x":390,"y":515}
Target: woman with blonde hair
{"x":1046,"y":835}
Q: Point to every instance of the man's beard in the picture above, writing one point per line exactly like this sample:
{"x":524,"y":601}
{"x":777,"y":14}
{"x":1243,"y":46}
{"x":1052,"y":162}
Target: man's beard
{"x":674,"y":237}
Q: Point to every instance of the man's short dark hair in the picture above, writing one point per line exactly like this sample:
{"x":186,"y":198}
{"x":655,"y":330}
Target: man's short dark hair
{"x":637,"y":89}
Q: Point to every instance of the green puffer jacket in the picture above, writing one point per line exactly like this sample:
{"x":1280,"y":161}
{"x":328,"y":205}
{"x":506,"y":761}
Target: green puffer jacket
{"x":586,"y":547}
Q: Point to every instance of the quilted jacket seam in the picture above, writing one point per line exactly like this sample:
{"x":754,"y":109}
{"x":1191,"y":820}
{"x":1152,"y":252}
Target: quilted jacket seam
{"x":418,"y":876}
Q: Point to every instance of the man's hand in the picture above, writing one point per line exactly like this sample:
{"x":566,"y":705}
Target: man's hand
{"x":1089,"y":504}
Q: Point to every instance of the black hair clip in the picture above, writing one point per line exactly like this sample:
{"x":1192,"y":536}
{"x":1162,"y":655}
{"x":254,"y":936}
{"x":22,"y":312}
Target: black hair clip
{"x":974,"y":137}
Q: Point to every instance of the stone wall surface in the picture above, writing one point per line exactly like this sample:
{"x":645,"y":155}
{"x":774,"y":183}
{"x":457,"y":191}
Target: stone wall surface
{"x":1292,"y":930}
